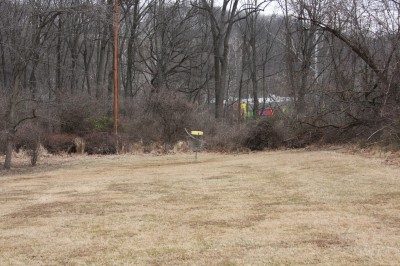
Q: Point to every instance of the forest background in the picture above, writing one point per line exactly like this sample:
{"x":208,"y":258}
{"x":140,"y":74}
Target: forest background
{"x":189,"y":64}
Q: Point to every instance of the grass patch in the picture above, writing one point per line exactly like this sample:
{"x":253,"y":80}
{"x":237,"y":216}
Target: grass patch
{"x":269,"y":208}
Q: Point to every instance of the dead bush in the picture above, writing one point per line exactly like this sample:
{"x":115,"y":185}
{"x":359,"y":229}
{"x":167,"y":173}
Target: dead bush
{"x":304,"y":138}
{"x":140,"y":128}
{"x":172,"y":113}
{"x":158,"y":148}
{"x":100,"y":143}
{"x":295,"y":134}
{"x":79,"y":114}
{"x":181,"y":146}
{"x":225,"y":137}
{"x":79,"y":145}
{"x":3,"y":141}
{"x":390,"y":136}
{"x":58,"y":143}
{"x":28,"y":139}
{"x":262,"y":135}
{"x":133,"y":148}
{"x":160,"y":119}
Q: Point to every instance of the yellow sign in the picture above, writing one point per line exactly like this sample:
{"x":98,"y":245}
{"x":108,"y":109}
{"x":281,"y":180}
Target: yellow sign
{"x":197,"y":133}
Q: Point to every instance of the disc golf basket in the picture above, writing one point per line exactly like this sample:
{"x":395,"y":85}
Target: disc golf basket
{"x":195,"y":141}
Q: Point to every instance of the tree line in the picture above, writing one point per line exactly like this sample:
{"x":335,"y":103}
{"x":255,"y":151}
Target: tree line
{"x":339,"y":61}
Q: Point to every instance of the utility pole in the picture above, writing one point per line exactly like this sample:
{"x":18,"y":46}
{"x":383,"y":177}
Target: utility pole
{"x":116,"y":73}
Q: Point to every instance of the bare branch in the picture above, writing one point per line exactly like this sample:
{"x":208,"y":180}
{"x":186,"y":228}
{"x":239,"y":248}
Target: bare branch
{"x":25,"y":119}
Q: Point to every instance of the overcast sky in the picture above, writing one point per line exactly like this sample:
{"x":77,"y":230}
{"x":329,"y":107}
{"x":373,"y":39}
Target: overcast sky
{"x":272,"y":8}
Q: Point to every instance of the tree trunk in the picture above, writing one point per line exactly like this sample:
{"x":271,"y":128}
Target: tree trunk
{"x":253,"y":68}
{"x":102,"y":56}
{"x":130,"y":72}
{"x":221,"y":29}
{"x":240,"y":118}
{"x":290,"y":56}
{"x":59,"y":60}
{"x":74,"y":59}
{"x":86,"y":61}
{"x":131,"y":51}
{"x":35,"y":57}
{"x":9,"y":148}
{"x":10,"y":115}
{"x":219,"y":94}
{"x":3,"y":63}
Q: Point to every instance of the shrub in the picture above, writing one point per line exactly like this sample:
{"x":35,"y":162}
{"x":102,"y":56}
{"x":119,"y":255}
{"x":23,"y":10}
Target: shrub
{"x":100,"y":143}
{"x":262,"y":135}
{"x":57,"y":143}
{"x":27,"y":136}
{"x":172,"y":113}
{"x":102,"y":124}
{"x":225,"y":137}
{"x":28,"y":139}
{"x":160,"y":119}
{"x":390,"y":136}
{"x":80,"y":114}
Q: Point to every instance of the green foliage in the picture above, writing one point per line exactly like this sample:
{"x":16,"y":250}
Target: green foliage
{"x":102,"y":124}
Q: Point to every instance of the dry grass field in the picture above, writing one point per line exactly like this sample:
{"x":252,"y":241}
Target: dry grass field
{"x":270,"y":208}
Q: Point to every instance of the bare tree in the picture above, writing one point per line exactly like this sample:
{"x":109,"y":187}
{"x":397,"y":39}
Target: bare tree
{"x":22,"y":22}
{"x":222,"y":20}
{"x":364,"y":26}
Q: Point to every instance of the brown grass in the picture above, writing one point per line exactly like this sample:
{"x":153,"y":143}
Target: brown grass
{"x":270,"y":208}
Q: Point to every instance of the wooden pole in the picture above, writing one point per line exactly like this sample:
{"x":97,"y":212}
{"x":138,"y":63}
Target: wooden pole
{"x":116,"y":72}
